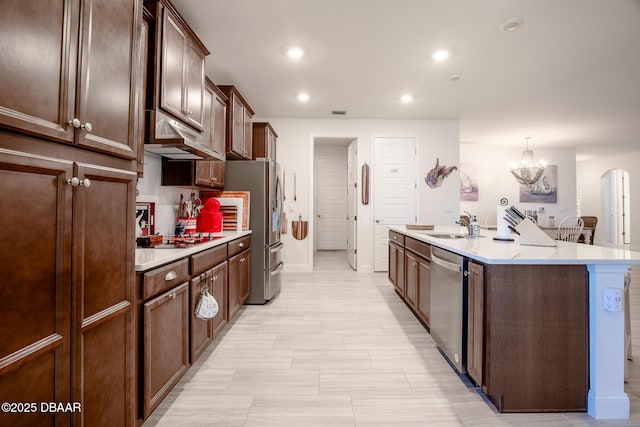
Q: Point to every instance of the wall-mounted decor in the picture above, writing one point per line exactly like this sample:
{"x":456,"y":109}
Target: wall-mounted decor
{"x":145,"y":219}
{"x":436,"y":175}
{"x":469,"y":182}
{"x":545,"y":190}
{"x":365,"y":184}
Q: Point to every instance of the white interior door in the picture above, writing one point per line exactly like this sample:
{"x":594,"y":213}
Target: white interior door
{"x":352,"y":204}
{"x":331,"y":206}
{"x":394,"y":191}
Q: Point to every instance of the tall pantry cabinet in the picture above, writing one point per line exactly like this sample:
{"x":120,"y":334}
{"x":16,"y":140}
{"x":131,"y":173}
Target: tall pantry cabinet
{"x":68,"y":102}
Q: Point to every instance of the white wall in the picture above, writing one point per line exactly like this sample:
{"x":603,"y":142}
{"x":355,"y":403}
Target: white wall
{"x":589,"y":173}
{"x":495,"y":181}
{"x":436,"y":138}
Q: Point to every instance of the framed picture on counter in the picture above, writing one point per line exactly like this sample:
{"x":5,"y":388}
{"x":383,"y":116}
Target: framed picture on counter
{"x":145,"y":219}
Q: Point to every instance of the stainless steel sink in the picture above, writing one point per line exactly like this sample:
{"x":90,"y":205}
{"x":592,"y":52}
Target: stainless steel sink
{"x":446,"y":235}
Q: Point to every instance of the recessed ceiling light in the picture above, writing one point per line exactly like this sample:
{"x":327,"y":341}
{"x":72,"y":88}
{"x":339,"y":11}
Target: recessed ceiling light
{"x":295,"y":52}
{"x":406,"y":98}
{"x":440,"y":55}
{"x":303,"y":97}
{"x":511,"y":24}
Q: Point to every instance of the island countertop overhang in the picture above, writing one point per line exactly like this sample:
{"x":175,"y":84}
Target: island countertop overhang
{"x":489,"y":251}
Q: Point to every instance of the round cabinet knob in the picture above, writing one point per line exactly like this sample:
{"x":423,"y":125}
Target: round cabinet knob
{"x":74,"y":182}
{"x":75,"y":123}
{"x":241,"y":245}
{"x":87,"y":126}
{"x":85,"y":182}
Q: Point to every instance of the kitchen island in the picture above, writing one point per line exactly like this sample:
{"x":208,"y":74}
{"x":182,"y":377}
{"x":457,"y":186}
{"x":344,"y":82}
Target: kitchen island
{"x":539,"y":336}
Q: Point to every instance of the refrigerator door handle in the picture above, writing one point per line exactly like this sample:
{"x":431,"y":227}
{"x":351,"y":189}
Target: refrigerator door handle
{"x":277,"y":269}
{"x":277,"y":247}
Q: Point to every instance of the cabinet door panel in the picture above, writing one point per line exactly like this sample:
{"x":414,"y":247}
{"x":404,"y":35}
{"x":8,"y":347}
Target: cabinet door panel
{"x":475,"y":330}
{"x":201,"y":331}
{"x":424,"y":289}
{"x":166,"y":344}
{"x":34,"y":357}
{"x":245,"y":282}
{"x":412,"y":274}
{"x":219,"y":291}
{"x":173,"y":48}
{"x":237,"y":132}
{"x":235,"y":276}
{"x":37,"y":65}
{"x":103,"y":285}
{"x":219,"y":120}
{"x":248,"y":135}
{"x":194,"y":87}
{"x":109,"y":34}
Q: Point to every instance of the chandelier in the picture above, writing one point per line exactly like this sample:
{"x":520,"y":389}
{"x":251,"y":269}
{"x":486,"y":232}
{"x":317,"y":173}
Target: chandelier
{"x":528,"y":171}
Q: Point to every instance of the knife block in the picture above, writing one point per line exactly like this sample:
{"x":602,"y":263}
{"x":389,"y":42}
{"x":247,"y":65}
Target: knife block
{"x":532,"y":235}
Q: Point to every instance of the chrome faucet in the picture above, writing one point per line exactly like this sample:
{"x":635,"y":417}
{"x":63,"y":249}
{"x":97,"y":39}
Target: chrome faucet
{"x":471,"y":222}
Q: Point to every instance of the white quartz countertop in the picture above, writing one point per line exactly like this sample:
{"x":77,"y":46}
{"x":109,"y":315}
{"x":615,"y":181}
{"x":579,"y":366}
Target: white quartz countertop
{"x":489,"y":251}
{"x":147,"y":258}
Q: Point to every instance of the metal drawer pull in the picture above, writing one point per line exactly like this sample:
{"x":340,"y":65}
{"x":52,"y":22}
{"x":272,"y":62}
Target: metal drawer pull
{"x":172,"y":295}
{"x":172,"y":275}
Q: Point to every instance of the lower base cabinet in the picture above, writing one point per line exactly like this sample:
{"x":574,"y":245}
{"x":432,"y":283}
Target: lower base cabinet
{"x":475,"y":325}
{"x":204,"y":331}
{"x":239,"y":276}
{"x":166,"y":344}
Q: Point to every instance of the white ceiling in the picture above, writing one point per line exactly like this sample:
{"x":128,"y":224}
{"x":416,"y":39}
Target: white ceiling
{"x":568,"y":78}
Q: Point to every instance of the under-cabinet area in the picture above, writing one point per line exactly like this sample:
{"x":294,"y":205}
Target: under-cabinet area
{"x":524,"y":330}
{"x":169,"y":283}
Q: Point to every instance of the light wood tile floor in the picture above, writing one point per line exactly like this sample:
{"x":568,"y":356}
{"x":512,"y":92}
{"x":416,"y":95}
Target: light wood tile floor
{"x":339,"y":348}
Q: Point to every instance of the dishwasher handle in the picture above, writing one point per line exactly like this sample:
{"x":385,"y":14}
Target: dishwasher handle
{"x":446,"y":264}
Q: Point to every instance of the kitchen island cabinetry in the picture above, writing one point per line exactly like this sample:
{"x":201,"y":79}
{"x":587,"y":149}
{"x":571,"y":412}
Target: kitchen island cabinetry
{"x":63,"y":82}
{"x":239,"y":139}
{"x":396,"y":261}
{"x":475,"y":321}
{"x":539,"y":337}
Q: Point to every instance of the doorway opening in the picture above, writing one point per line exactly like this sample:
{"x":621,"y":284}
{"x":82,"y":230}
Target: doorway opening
{"x":334,"y":204}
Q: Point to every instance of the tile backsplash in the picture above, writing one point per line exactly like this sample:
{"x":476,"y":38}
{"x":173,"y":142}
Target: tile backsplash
{"x":166,"y":199}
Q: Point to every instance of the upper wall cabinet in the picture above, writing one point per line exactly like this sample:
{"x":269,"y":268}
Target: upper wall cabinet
{"x":239,"y":125}
{"x":178,"y":66}
{"x":264,"y":141}
{"x":69,"y":71}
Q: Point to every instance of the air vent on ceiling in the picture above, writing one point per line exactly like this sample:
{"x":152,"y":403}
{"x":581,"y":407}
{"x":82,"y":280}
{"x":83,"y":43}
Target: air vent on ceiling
{"x":338,"y":112}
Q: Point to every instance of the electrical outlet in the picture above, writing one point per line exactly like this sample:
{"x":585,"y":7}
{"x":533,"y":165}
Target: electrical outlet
{"x":612,"y":299}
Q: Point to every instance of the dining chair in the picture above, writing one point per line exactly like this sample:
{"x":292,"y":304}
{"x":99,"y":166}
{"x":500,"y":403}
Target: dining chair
{"x":590,"y":223}
{"x":569,"y":229}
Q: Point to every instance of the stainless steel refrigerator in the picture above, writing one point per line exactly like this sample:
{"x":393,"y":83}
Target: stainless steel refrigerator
{"x":262,"y":179}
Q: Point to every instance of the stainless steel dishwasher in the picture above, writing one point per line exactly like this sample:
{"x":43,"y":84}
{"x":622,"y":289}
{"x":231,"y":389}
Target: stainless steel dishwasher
{"x":448,"y":305}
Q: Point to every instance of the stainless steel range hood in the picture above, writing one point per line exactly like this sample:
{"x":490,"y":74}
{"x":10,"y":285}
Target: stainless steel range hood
{"x":170,"y":138}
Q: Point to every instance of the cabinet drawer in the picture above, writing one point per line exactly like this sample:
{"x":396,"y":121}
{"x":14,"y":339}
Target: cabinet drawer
{"x":204,"y":260}
{"x":239,"y":245}
{"x":421,"y":248}
{"x":396,"y":237}
{"x":163,"y":278}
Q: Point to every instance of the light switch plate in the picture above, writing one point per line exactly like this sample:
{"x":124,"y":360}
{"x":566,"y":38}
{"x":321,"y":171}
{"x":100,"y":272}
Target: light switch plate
{"x":612,"y":299}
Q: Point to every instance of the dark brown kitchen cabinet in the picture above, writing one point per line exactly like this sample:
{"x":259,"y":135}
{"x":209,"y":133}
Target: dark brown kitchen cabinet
{"x":204,"y":331}
{"x":475,"y":317}
{"x":239,"y":132}
{"x":264,"y":141}
{"x":396,"y":267}
{"x":239,"y":274}
{"x":536,"y":337}
{"x":209,"y":271}
{"x":73,"y":79}
{"x":166,"y":344}
{"x":143,"y":42}
{"x":71,"y":283}
{"x":203,"y":173}
{"x":178,"y":67}
{"x":418,"y":277}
